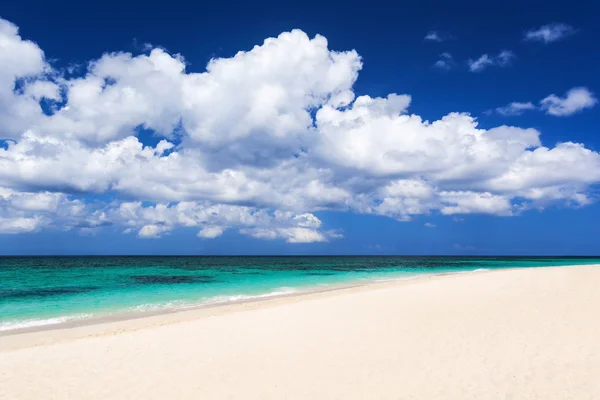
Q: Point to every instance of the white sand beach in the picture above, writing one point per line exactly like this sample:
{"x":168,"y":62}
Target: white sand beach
{"x":511,"y":334}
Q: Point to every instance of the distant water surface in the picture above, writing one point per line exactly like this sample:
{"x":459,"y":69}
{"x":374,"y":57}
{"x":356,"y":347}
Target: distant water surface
{"x":38,"y":291}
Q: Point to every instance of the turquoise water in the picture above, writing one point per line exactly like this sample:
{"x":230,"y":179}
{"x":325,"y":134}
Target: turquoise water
{"x":37,"y":291}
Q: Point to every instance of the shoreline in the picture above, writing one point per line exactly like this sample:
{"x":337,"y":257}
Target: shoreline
{"x":133,"y":321}
{"x":74,"y":321}
{"x":512,"y":333}
{"x":136,"y":320}
{"x":114,"y":313}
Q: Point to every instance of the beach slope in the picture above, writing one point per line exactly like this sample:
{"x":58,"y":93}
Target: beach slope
{"x":511,"y":334}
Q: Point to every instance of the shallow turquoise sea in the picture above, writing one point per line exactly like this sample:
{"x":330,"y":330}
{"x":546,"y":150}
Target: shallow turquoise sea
{"x":38,"y":291}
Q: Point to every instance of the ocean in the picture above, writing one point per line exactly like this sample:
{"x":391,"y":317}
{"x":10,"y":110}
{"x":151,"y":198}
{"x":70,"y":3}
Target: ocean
{"x":40,"y":291}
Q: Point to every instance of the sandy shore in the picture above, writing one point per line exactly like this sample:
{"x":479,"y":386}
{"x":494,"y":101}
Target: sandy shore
{"x":512,"y":334}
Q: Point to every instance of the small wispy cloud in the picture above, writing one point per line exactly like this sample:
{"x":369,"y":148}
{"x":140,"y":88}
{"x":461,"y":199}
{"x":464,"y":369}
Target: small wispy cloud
{"x":503,"y":59}
{"x":458,"y":246}
{"x":433,"y":36}
{"x":514,"y":108}
{"x":575,"y":100}
{"x":549,"y":33}
{"x":480,"y":64}
{"x":446,"y":61}
{"x":143,"y":46}
{"x":436,"y":36}
{"x":430,"y":225}
{"x":74,"y":68}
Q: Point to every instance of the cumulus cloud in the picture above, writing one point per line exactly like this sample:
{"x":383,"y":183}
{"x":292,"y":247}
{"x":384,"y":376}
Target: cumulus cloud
{"x":210,"y":232}
{"x":575,"y":100}
{"x":152,"y":231}
{"x":214,"y":219}
{"x":291,"y":235}
{"x":549,"y":33}
{"x":258,"y":143}
{"x":22,"y":63}
{"x":502,"y":59}
{"x":18,"y":225}
{"x":430,"y":225}
{"x":464,"y":202}
{"x":31,"y":211}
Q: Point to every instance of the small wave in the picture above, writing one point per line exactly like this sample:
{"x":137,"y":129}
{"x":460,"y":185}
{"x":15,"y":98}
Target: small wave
{"x":418,"y":276}
{"x":402,"y":278}
{"x":171,"y":305}
{"x":32,"y":323}
{"x":469,"y":271}
{"x":242,"y":297}
{"x":182,"y":305}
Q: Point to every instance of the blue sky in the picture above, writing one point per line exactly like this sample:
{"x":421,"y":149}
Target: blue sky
{"x":117,"y":140}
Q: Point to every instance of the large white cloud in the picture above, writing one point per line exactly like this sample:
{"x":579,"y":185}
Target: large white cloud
{"x":257,"y":143}
{"x":251,"y":108}
{"x":376,"y":137}
{"x":22,"y":64}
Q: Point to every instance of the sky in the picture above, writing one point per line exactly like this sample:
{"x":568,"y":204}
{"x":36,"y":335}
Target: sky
{"x":429,"y":127}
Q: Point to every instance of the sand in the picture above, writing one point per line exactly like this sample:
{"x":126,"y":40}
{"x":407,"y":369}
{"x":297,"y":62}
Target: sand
{"x":512,"y":334}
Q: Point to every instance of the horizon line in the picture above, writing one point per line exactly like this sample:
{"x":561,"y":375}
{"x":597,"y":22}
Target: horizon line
{"x":304,"y":255}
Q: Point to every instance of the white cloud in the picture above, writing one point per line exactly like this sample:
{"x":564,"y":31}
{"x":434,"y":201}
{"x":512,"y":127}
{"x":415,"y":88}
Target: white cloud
{"x":436,"y":36}
{"x":18,"y":225}
{"x":258,"y":143}
{"x":503,"y":59}
{"x":433,"y":36}
{"x":515,"y":108}
{"x":302,"y":235}
{"x":429,"y":225}
{"x":290,"y":235}
{"x":210,"y":232}
{"x":27,"y":212}
{"x":152,"y":231}
{"x":398,"y":144}
{"x":446,"y":61}
{"x":575,"y":100}
{"x":214,"y":219}
{"x":549,"y":33}
{"x":566,"y":169}
{"x":464,"y":202}
{"x":480,"y":64}
{"x":251,"y":108}
{"x":20,"y":61}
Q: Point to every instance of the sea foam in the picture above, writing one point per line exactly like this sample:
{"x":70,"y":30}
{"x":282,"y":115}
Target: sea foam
{"x":223,"y":299}
{"x":32,"y":323}
{"x":244,"y":297}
